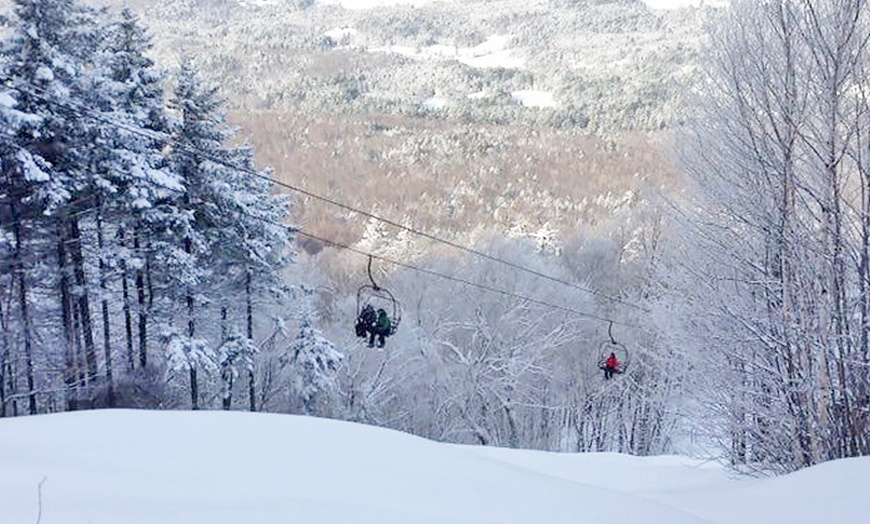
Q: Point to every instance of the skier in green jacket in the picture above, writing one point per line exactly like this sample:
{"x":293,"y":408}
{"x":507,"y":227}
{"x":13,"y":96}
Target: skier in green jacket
{"x":382,"y":328}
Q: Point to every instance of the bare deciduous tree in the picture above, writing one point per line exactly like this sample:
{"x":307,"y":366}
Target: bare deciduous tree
{"x":780,"y":235}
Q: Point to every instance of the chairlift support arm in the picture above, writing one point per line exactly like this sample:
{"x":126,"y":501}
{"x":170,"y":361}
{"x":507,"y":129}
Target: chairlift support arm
{"x":374,"y":284}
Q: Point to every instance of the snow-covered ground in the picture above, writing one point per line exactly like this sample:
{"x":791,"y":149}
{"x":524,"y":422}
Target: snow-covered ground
{"x":373,"y":4}
{"x":217,"y":467}
{"x":491,"y":53}
{"x":676,"y":4}
{"x":534,"y":98}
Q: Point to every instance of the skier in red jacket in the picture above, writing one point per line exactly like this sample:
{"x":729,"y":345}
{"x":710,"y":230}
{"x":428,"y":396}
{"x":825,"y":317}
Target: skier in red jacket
{"x":611,"y":366}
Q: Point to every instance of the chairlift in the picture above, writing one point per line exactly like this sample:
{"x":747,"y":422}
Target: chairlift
{"x":370,"y":300}
{"x":608,"y":347}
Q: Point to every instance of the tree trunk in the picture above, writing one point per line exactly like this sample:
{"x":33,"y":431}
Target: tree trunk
{"x":228,"y":392}
{"x":148,"y":274}
{"x":194,"y":389}
{"x":249,"y":305}
{"x":191,"y":333}
{"x":252,"y":394}
{"x":224,"y":327}
{"x":107,"y":339}
{"x":226,"y":372}
{"x":13,"y":386}
{"x":78,"y":261}
{"x":24,"y":309}
{"x":5,"y":352}
{"x":81,"y":375}
{"x":128,"y":317}
{"x":4,"y":358}
{"x":864,"y":277}
{"x":143,"y":308}
{"x":70,"y":373}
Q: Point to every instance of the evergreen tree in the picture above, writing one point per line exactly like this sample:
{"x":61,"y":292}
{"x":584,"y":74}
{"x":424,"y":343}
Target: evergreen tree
{"x":253,"y":248}
{"x":47,"y":56}
{"x":134,"y":205}
{"x":235,"y":354}
{"x":312,"y":360}
{"x":234,"y":225}
{"x":24,"y":184}
{"x":142,"y":186}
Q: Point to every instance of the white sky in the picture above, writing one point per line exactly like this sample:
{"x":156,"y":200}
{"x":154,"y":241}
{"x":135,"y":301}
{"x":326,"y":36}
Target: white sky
{"x":227,"y":468}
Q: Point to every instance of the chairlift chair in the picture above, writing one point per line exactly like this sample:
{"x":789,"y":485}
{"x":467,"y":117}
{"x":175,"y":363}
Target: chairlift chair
{"x":622,"y":356}
{"x":607,"y":347}
{"x":378,"y":298}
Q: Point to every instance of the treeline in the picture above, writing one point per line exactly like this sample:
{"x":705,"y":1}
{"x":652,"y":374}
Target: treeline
{"x":134,"y":242}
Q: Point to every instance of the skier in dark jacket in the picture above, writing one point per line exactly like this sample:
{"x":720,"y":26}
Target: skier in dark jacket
{"x":365,"y":322}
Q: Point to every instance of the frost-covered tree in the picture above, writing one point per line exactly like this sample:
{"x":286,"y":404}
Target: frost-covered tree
{"x":196,"y":156}
{"x":141,"y":186}
{"x":47,"y":59}
{"x":188,"y":355}
{"x":234,"y":356}
{"x":781,"y":248}
{"x":105,"y":193}
{"x":130,"y":183}
{"x":312,"y":360}
{"x":232,"y":228}
{"x":24,"y":186}
{"x":253,"y":246}
{"x":474,"y":365}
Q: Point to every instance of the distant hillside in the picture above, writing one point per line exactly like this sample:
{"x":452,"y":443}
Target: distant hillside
{"x":453,"y":178}
{"x":538,"y":119}
{"x":600,"y":65}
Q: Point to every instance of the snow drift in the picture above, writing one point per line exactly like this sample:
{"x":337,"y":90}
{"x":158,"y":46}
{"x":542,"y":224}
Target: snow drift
{"x":122,"y":466}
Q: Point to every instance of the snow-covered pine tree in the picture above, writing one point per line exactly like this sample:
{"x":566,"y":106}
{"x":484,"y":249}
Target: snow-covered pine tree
{"x":48,"y":56}
{"x":312,"y":360}
{"x":196,"y":144}
{"x":254,"y":247}
{"x":85,"y":166}
{"x":234,"y":355}
{"x":139,"y":186}
{"x":235,"y":225}
{"x":188,"y":354}
{"x":25,"y":186}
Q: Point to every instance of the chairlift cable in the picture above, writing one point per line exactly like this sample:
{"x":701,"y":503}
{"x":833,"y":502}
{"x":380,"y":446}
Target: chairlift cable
{"x":484,"y":287}
{"x":85,"y":112}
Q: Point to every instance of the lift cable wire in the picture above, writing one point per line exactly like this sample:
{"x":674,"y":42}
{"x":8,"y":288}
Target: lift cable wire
{"x":484,"y":287}
{"x":372,"y":256}
{"x":86,"y":113}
